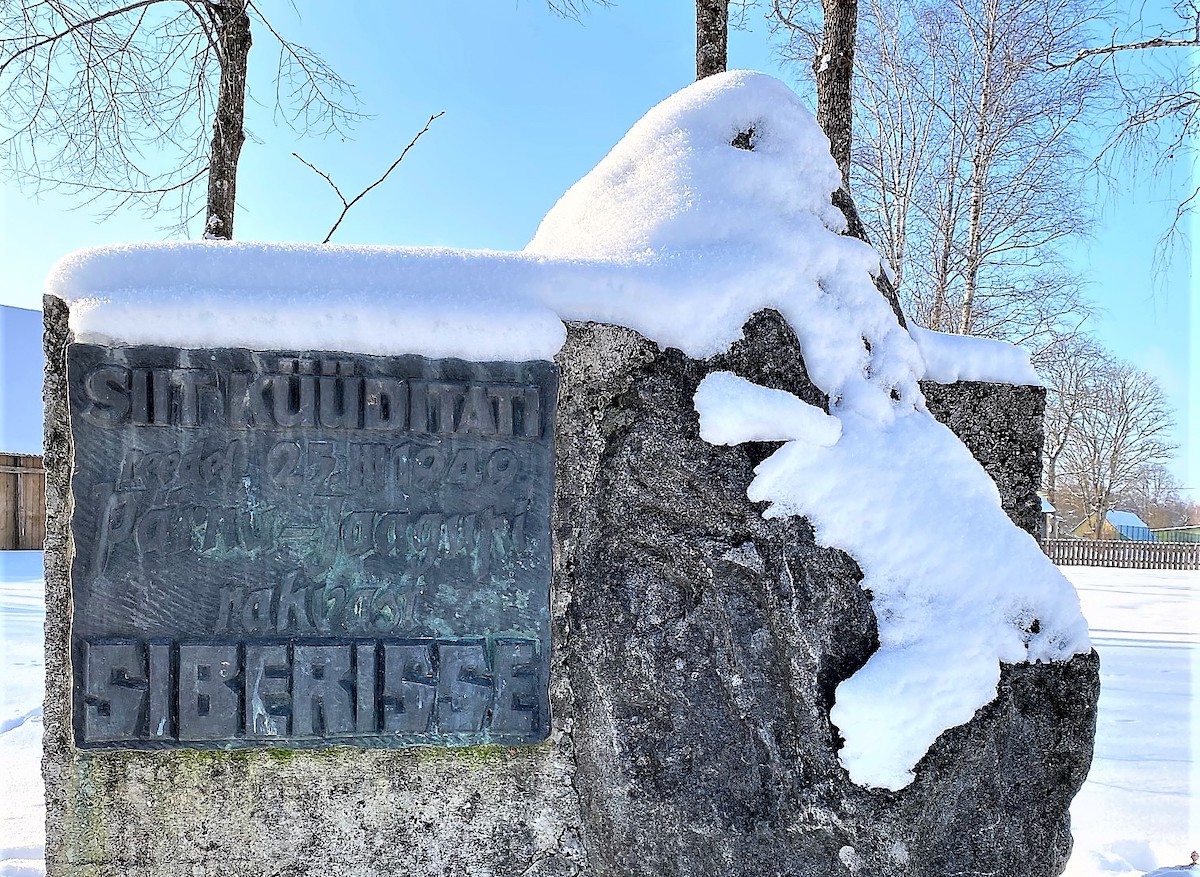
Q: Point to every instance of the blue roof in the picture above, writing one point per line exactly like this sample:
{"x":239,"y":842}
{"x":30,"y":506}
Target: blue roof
{"x":1130,"y":526}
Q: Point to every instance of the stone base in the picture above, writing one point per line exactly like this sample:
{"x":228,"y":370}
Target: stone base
{"x":697,"y":647}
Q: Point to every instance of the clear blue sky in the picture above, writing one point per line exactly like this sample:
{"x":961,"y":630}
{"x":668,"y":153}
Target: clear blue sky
{"x":532,"y":102}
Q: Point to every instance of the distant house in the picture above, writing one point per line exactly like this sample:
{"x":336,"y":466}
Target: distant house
{"x":1119,"y":525}
{"x":22,"y":479}
{"x":1177,"y":534}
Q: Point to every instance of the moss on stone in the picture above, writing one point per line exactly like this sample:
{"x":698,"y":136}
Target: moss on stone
{"x":472,"y":756}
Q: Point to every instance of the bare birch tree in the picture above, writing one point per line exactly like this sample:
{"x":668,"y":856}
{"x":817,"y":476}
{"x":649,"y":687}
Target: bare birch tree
{"x":1067,"y":375}
{"x":966,"y":160}
{"x":1024,"y":157}
{"x":1108,"y":425}
{"x":895,"y":139}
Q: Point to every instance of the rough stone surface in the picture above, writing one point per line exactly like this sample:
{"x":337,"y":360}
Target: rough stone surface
{"x":697,"y":647}
{"x":1002,"y":426}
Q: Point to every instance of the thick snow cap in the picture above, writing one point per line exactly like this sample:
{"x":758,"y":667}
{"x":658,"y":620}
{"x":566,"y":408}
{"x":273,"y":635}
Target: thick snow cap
{"x":682,"y":236}
{"x":737,"y":230}
{"x":674,"y":185}
{"x":379,"y":300}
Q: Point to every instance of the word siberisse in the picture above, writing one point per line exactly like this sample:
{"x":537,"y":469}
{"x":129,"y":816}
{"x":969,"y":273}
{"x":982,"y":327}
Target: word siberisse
{"x":260,"y":692}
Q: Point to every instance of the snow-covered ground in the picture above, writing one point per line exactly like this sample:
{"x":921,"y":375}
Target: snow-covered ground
{"x":22,"y":610}
{"x":1140,"y":809}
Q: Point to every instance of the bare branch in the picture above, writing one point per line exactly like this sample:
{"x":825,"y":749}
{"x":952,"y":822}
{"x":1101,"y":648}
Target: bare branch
{"x":573,"y":9}
{"x":347,"y":204}
{"x":74,"y":28}
{"x":110,"y":190}
{"x":314,"y":85}
{"x":1156,"y":43}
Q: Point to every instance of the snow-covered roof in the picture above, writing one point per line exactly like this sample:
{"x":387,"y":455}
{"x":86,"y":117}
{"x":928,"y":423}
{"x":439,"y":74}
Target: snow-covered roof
{"x":1130,"y":526}
{"x":21,"y":364}
{"x":1120,"y":518}
{"x":682,"y":236}
{"x":1047,"y":508}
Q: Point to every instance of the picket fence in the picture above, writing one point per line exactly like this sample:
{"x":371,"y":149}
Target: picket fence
{"x":1126,"y":555}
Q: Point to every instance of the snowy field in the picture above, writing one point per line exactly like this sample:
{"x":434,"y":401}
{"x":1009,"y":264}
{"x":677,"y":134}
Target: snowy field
{"x":1140,"y":808}
{"x":22,"y":834}
{"x":1139,"y":811}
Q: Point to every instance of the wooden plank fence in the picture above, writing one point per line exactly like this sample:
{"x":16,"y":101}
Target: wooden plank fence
{"x":22,"y":502}
{"x":1125,"y":555}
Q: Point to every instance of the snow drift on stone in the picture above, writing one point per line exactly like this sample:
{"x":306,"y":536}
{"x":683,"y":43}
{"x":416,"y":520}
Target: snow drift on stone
{"x":957,"y":587}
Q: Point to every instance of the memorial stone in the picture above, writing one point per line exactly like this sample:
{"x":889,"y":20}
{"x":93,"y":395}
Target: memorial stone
{"x":313,"y":609}
{"x":696,"y":648}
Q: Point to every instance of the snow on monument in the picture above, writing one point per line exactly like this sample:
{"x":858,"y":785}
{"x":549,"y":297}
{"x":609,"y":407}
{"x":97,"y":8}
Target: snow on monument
{"x":635,"y":552}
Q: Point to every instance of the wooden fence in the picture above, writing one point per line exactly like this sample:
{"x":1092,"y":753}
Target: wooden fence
{"x":1126,"y":555}
{"x":22,"y":502}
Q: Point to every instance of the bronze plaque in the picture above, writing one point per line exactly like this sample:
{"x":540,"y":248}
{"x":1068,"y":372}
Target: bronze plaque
{"x":310,"y":549}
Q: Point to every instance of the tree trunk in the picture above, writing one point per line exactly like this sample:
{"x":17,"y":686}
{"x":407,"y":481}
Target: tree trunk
{"x":942,"y":279}
{"x":948,"y":209}
{"x":974,"y":256}
{"x":981,"y":163}
{"x":1052,"y":480}
{"x":939,"y":305}
{"x":834,"y":70}
{"x":712,"y":37}
{"x":229,"y":130}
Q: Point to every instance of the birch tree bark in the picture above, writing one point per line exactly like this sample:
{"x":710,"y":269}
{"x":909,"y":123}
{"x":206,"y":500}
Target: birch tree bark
{"x":981,"y":159}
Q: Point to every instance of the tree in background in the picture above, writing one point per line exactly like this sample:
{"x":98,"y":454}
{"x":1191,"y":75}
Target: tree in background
{"x":1019,"y":123}
{"x":1156,"y":497}
{"x":1067,"y":375}
{"x":966,"y":164}
{"x":1107,"y":434}
{"x":143,"y":103}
